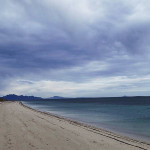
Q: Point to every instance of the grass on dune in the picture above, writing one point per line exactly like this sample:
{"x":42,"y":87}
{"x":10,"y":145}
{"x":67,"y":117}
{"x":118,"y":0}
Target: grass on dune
{"x":2,"y":100}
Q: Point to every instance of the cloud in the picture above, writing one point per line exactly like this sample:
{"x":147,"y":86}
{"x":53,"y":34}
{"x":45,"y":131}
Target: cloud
{"x":73,"y":41}
{"x":94,"y":87}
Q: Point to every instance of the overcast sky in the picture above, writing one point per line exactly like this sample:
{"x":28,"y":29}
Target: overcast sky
{"x":75,"y":48}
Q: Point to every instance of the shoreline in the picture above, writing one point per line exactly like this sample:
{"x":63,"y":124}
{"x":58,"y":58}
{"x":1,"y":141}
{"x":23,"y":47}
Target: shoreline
{"x":92,"y":127}
{"x":103,"y":128}
{"x":107,"y":135}
{"x":120,"y":117}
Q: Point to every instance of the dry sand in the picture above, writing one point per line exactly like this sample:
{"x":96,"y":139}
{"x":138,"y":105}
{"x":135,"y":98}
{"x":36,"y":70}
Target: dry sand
{"x":22,"y":128}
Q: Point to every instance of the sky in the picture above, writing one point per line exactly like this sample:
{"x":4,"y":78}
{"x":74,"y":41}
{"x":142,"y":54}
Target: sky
{"x":75,"y":48}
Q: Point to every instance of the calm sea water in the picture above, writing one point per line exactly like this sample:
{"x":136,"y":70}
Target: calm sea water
{"x":127,"y":116}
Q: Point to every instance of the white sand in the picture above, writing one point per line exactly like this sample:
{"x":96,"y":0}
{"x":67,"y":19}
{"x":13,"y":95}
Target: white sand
{"x":22,"y":128}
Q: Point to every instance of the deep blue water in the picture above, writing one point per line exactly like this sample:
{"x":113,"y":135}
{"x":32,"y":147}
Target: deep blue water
{"x":127,"y":116}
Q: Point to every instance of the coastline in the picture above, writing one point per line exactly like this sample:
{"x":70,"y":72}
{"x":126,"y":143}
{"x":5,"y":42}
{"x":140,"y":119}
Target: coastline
{"x":111,"y":129}
{"x":92,"y":127}
{"x":106,"y":137}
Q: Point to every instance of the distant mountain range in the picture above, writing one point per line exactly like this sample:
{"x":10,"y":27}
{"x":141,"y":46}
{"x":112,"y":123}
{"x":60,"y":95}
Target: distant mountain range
{"x":13,"y":97}
{"x":57,"y":97}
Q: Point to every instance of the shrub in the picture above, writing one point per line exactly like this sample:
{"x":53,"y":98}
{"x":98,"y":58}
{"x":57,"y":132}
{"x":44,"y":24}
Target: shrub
{"x":1,"y":99}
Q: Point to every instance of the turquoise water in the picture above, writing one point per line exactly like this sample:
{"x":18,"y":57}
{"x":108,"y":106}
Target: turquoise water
{"x":127,"y":116}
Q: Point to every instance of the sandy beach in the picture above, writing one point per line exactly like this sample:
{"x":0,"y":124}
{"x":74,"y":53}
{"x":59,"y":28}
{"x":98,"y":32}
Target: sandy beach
{"x":23,"y":128}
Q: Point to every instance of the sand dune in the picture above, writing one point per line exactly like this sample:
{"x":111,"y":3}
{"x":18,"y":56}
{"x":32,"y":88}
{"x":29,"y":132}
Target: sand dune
{"x":22,"y":128}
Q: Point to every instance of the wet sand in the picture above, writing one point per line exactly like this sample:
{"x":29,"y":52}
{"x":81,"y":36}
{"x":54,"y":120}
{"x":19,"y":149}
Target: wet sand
{"x":23,"y":128}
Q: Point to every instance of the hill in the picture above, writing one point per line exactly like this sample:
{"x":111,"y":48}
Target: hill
{"x":13,"y":97}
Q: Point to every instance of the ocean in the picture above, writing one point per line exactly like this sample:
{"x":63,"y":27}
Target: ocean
{"x":129,"y":116}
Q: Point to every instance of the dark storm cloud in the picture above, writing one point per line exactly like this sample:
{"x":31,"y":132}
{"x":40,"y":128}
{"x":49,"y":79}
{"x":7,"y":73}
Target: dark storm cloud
{"x":48,"y":40}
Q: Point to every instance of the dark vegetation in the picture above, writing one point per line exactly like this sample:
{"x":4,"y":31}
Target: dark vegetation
{"x":2,"y":99}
